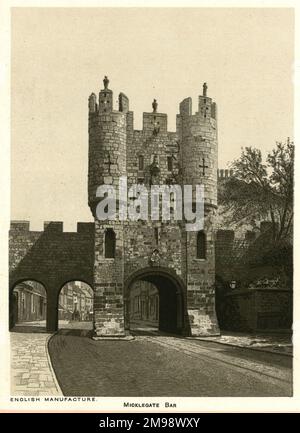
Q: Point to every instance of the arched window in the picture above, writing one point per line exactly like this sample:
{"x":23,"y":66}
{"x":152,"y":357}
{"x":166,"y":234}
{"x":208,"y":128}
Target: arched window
{"x":110,"y":244}
{"x":201,"y":245}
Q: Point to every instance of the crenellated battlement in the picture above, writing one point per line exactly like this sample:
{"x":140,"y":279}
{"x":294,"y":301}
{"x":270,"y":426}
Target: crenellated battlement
{"x":101,"y":110}
{"x":96,"y":109}
{"x":50,"y":227}
{"x":228,"y":237}
{"x":224,"y":173}
{"x":207,"y":109}
{"x":105,"y":103}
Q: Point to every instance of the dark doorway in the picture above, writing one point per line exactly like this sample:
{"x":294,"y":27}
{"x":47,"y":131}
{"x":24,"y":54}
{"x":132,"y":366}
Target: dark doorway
{"x":155,"y":302}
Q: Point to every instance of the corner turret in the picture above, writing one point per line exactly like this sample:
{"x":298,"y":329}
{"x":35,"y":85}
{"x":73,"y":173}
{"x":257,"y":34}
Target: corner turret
{"x":198,"y":143}
{"x":107,"y":141}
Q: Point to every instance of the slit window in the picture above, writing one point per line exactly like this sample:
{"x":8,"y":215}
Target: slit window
{"x":201,"y":245}
{"x":110,"y":244}
{"x":141,"y":162}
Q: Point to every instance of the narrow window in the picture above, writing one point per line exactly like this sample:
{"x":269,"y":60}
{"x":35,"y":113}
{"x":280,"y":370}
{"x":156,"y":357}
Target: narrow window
{"x":201,"y":245}
{"x":170,"y":163}
{"x":110,"y":244}
{"x":141,"y":162}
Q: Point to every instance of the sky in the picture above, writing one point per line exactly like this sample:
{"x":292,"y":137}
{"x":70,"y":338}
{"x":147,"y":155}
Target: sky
{"x":59,"y":56}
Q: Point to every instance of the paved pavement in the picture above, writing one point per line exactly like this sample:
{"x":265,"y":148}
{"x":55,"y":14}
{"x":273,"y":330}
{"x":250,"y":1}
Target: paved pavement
{"x":65,"y":326}
{"x":276,"y":343}
{"x":31,"y":372}
{"x":151,"y":365}
{"x":158,"y":365}
{"x":271,"y":342}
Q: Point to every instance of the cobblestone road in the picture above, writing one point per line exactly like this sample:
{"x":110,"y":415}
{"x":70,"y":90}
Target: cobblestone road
{"x":166,"y":366}
{"x":30,"y":370}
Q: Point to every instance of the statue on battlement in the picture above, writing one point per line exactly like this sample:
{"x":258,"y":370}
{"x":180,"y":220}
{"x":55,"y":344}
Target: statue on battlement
{"x":154,"y":105}
{"x":105,"y":82}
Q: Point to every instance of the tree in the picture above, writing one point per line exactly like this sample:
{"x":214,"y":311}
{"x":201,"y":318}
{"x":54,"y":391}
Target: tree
{"x":258,"y":190}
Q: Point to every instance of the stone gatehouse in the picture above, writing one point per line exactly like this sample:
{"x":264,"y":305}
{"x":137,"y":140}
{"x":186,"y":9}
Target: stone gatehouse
{"x":113,"y":255}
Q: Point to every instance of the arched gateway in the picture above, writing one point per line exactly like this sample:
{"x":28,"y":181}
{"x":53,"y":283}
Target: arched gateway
{"x":172,"y":311}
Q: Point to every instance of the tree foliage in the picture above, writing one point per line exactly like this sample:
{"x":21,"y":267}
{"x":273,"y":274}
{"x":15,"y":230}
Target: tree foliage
{"x":262,"y":190}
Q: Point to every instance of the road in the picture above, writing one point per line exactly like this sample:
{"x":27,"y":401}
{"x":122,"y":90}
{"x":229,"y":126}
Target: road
{"x":166,"y":366}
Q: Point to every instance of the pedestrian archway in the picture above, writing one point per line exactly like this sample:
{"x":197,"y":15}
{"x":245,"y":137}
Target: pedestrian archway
{"x":155,"y":300}
{"x":28,"y":307}
{"x":75,"y":306}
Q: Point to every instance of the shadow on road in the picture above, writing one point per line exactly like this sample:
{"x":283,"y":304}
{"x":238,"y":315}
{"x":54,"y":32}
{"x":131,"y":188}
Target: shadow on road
{"x":76,"y":332}
{"x":29,"y":329}
{"x":152,"y":333}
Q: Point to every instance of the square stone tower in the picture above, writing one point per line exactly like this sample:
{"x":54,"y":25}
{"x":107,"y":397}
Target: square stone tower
{"x":178,"y":262}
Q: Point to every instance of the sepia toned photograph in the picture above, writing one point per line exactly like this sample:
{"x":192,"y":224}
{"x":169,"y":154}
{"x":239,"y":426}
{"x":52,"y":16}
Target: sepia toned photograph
{"x":152,"y":203}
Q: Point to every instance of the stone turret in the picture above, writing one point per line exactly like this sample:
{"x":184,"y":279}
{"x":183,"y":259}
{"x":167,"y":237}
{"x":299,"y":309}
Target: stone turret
{"x":199,"y":146}
{"x":107,"y":163}
{"x":107,"y":141}
{"x":197,"y":134}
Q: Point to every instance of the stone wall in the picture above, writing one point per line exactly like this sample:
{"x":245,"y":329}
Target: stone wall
{"x":54,"y":257}
{"x":247,"y":306}
{"x":259,"y":310}
{"x":51,"y":257}
{"x":108,"y":282}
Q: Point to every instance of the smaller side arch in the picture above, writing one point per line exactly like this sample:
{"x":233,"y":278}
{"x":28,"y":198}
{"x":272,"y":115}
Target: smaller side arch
{"x":27,"y":302}
{"x":60,"y":288}
{"x":14,"y":282}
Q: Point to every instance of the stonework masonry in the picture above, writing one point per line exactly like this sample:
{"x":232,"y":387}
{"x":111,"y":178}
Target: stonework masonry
{"x":51,"y":257}
{"x":153,"y":156}
{"x":153,"y":252}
